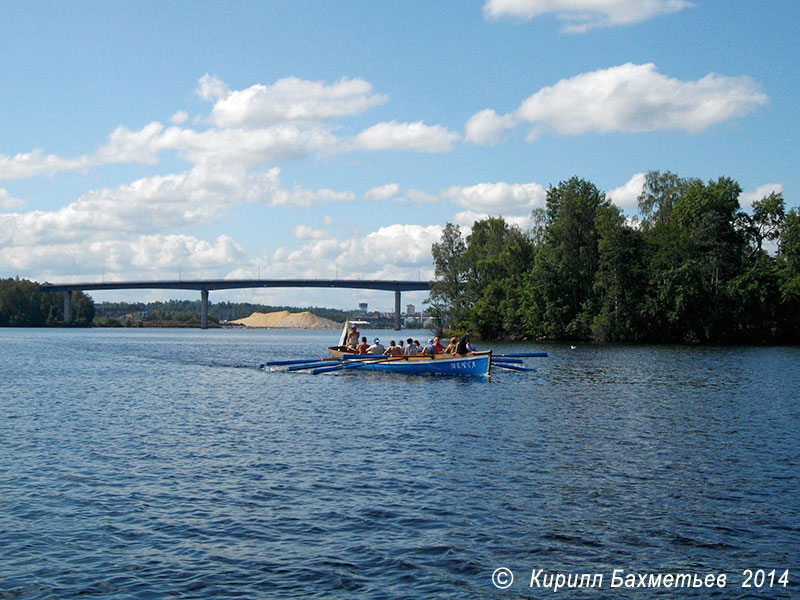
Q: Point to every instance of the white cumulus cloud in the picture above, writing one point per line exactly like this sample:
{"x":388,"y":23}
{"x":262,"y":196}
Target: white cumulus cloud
{"x":7,"y":201}
{"x":630,"y":98}
{"x":383,"y":192}
{"x":399,"y":251}
{"x":487,"y":127}
{"x":139,"y":257}
{"x":626,"y":196}
{"x":32,"y":164}
{"x":407,"y":136}
{"x":746,"y":199}
{"x":582,"y":15}
{"x":259,"y":125}
{"x":211,"y":87}
{"x":154,"y":205}
{"x":498,"y":198}
{"x":179,"y":117}
{"x":304,"y":232}
{"x":287,"y":100}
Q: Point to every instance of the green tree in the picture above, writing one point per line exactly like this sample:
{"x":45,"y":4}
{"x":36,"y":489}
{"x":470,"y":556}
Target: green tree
{"x":659,"y":195}
{"x":446,"y":299}
{"x":479,"y":279}
{"x":559,"y":292}
{"x":20,"y":303}
{"x":693,"y":250}
{"x":788,"y":261}
{"x":497,"y":257}
{"x":82,"y":309}
{"x":621,"y":278}
{"x":766,"y":222}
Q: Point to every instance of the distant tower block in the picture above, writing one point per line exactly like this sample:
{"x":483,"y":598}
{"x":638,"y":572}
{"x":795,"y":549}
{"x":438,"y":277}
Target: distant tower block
{"x":363,"y":306}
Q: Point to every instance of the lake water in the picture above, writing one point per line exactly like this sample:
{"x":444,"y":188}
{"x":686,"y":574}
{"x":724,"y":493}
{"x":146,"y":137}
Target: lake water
{"x":164,"y":464}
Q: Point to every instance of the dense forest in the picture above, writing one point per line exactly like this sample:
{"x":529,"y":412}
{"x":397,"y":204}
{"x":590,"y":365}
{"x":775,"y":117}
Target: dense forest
{"x":23,"y":304}
{"x":691,"y":268}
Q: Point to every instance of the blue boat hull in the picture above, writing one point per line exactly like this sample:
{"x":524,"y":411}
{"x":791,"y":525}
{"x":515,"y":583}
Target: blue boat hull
{"x":469,"y":365}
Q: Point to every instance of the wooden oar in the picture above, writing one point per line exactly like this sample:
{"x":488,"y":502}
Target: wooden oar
{"x":511,"y":367}
{"x":524,"y":355}
{"x":354,"y":364}
{"x":507,"y":360}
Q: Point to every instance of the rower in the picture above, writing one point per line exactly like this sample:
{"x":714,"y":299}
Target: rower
{"x":464,"y":347}
{"x":352,"y":338}
{"x":377,"y":347}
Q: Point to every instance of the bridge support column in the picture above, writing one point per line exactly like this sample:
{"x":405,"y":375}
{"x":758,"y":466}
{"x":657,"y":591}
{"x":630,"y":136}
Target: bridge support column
{"x":67,"y":307}
{"x":203,"y":309}
{"x":397,"y":309}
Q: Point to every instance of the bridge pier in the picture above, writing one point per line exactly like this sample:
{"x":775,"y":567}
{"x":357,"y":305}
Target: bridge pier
{"x":203,"y":309}
{"x":67,"y":307}
{"x":397,"y":309}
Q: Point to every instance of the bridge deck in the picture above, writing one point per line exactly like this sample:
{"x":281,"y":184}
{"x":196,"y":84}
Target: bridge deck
{"x":229,"y":284}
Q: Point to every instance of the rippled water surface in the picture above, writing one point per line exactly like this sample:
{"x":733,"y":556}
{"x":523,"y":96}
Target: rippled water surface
{"x":164,"y":464}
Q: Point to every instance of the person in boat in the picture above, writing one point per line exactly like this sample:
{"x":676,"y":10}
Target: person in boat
{"x":362,"y":347}
{"x":464,"y":346}
{"x":393,"y":349}
{"x":451,"y":347}
{"x":419,"y":346}
{"x":400,"y":345}
{"x":352,"y":338}
{"x":411,"y":349}
{"x":429,"y":350}
{"x":376,"y":348}
{"x":437,"y":346}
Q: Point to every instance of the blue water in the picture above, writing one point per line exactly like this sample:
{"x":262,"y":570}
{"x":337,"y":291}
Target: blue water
{"x":164,"y":464}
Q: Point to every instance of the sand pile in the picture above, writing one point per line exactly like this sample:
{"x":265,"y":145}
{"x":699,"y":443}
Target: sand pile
{"x":286,"y":320}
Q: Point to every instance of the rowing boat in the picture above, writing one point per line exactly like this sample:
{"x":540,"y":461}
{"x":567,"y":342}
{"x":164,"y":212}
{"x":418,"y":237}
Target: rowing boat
{"x":343,"y":358}
{"x":453,"y":365}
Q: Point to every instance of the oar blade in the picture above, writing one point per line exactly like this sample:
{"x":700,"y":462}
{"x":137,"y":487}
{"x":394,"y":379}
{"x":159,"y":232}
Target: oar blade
{"x":510,"y":367}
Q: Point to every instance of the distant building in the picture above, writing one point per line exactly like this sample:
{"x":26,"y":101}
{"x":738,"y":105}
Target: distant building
{"x":411,"y":310}
{"x":362,"y":306}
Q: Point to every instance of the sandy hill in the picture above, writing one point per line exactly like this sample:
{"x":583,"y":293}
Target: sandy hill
{"x":286,"y":320}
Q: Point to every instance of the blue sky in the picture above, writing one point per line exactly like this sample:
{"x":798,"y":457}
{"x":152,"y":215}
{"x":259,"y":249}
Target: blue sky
{"x":143,"y":140}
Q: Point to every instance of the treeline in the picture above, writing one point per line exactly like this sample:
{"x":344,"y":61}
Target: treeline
{"x":187,"y":312}
{"x":692,"y":268}
{"x":227,"y":311}
{"x":24,"y":304}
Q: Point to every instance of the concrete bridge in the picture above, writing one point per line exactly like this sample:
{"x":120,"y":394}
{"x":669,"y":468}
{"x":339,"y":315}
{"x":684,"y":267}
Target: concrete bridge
{"x":206,"y":285}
